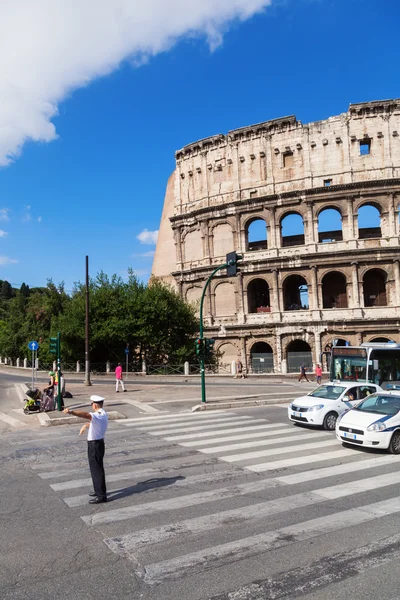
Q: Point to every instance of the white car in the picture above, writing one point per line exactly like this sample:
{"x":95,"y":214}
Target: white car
{"x":373,"y":423}
{"x":328,"y":401}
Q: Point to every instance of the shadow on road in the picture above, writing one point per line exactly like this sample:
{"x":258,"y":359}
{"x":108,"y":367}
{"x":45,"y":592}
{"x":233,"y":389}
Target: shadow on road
{"x":143,"y":486}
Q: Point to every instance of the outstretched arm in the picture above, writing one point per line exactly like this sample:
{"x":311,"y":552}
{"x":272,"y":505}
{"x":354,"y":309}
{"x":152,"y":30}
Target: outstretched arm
{"x":78,"y":413}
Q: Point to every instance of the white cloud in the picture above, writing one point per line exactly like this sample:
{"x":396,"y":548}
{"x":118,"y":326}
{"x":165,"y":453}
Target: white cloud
{"x":147,"y":237}
{"x":3,"y":233}
{"x":39,"y":219}
{"x":6,"y":260}
{"x":148,"y":254}
{"x":4,"y":213}
{"x":51,"y":47}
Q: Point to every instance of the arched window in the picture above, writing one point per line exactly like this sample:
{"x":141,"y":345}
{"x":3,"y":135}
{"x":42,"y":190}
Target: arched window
{"x":262,"y":358}
{"x":292,"y":230}
{"x":295,"y":293}
{"x":374,"y":287}
{"x":298,"y":353}
{"x":258,"y":296}
{"x":228,"y":353}
{"x":334,"y":293}
{"x":369,"y":222}
{"x":256,"y":235}
{"x":381,"y":340}
{"x":330,"y":226}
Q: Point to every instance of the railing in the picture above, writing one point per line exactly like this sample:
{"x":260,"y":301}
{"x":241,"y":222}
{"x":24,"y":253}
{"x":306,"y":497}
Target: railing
{"x":165,"y":370}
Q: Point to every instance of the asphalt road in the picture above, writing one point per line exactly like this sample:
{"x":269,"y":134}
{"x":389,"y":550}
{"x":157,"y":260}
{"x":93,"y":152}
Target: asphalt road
{"x":237,"y":505}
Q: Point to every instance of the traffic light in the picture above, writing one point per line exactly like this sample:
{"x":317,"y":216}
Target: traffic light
{"x":232,"y":259}
{"x":209,"y":346}
{"x":54,"y":346}
{"x":199,"y":346}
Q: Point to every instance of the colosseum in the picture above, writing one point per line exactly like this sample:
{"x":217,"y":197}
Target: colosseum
{"x":314,"y":209}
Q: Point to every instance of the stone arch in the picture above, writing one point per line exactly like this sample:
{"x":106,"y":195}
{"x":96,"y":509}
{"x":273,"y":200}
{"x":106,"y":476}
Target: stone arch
{"x":380,"y":340}
{"x":256,"y":234}
{"x":292,"y":229}
{"x":193,"y":296}
{"x":374,"y":287}
{"x":298,"y":352}
{"x":295,"y":293}
{"x":262,"y":358}
{"x":258,"y":296}
{"x":192,"y":245}
{"x":329,"y":225}
{"x":225,"y":299}
{"x":369,"y":220}
{"x":228,"y":352}
{"x":334,"y":290}
{"x":222,"y":239}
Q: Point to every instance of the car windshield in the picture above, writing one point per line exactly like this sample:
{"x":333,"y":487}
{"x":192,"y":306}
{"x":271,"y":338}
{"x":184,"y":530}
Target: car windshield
{"x":329,"y":392}
{"x":380,"y":404}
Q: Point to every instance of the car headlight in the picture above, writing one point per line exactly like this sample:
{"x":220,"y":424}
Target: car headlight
{"x":316,"y":407}
{"x":377,"y":427}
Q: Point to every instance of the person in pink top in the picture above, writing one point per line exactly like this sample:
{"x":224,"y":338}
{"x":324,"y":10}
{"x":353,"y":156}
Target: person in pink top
{"x":119,"y":378}
{"x":318,"y":374}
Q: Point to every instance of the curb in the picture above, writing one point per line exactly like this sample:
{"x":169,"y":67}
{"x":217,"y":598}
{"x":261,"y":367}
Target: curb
{"x":46,"y":421}
{"x":240,"y":404}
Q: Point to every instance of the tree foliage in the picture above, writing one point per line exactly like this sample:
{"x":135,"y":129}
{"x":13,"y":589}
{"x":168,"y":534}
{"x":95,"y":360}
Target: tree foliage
{"x":156,"y":323}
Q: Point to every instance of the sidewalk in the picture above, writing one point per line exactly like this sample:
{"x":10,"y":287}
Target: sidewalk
{"x":182,"y":394}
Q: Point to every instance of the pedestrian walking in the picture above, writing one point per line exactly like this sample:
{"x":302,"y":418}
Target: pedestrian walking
{"x":96,"y":432}
{"x":119,"y":378}
{"x":318,"y":374}
{"x":239,"y":369}
{"x":303,"y":374}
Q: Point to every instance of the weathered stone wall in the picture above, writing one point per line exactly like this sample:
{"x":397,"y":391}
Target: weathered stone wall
{"x":269,"y":171}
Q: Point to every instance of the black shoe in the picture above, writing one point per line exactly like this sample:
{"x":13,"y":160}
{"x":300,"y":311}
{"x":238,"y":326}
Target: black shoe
{"x":117,"y":391}
{"x":93,"y":494}
{"x":125,"y":390}
{"x":97,"y":500}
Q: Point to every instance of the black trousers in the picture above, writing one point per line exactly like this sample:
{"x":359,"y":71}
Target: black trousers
{"x":96,"y":455}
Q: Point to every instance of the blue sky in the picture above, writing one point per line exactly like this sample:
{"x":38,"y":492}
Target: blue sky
{"x":101,"y":183}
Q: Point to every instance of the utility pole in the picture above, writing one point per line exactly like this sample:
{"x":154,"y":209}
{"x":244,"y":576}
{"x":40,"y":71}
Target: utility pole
{"x":87,"y":349}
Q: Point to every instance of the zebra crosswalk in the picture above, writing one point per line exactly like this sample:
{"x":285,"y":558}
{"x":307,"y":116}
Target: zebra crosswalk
{"x":196,"y":492}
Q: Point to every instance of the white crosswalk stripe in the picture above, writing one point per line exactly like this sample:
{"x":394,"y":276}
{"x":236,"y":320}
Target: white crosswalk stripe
{"x":209,"y":486}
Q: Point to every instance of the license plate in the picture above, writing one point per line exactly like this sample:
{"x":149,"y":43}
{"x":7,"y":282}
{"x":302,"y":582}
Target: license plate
{"x":351,"y":436}
{"x":296,"y":414}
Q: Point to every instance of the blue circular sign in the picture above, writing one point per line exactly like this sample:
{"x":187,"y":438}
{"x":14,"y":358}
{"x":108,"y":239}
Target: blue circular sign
{"x":33,"y":346}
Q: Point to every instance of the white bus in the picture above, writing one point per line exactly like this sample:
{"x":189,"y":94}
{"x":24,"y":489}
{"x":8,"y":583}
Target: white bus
{"x":369,"y":363}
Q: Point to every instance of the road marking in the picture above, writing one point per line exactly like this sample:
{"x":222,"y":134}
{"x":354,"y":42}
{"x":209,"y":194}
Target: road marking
{"x":380,"y":461}
{"x":257,"y":443}
{"x":217,"y":556}
{"x":298,"y":460}
{"x":178,"y":503}
{"x":182,"y":426}
{"x":176,"y":417}
{"x":308,"y":579}
{"x":175,"y":481}
{"x":11,"y":421}
{"x":177,"y":463}
{"x":20,"y":392}
{"x":206,"y":434}
{"x":141,"y":405}
{"x":272,"y":451}
{"x":261,"y":431}
{"x":130,"y":542}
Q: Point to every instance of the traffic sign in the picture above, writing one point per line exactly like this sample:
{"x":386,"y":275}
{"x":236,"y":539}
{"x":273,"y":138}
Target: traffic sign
{"x":126,"y":350}
{"x":33,"y":346}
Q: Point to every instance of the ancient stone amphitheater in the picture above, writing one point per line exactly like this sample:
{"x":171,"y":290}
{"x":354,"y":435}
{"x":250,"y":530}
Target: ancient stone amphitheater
{"x":314,"y":209}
